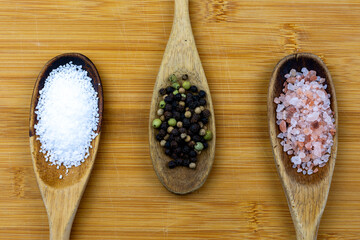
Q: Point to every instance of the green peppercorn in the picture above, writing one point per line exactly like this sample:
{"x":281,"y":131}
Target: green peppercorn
{"x":176,"y":85}
{"x":199,"y":146}
{"x":162,"y":104}
{"x":183,"y":95}
{"x":173,"y":78}
{"x":175,"y":92}
{"x":156,"y":123}
{"x":208,"y":136}
{"x":186,"y":85}
{"x":172,"y":122}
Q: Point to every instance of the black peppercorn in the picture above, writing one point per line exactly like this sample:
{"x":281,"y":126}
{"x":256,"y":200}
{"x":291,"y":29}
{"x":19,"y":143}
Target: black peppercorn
{"x":174,"y":104}
{"x":193,"y":105}
{"x":169,"y":98}
{"x":174,"y":156}
{"x":186,"y":122}
{"x":196,"y":98}
{"x":177,"y":150}
{"x":174,"y":144}
{"x":196,"y":138}
{"x":189,"y":96}
{"x":167,"y":144}
{"x":193,"y":159}
{"x":180,"y":108}
{"x":206,"y":113}
{"x":206,"y":145}
{"x":177,"y":139}
{"x":193,"y":88}
{"x":185,"y":77}
{"x":186,"y":162}
{"x":182,"y":130}
{"x":162,"y":132}
{"x":168,"y":115}
{"x":175,"y":132}
{"x":162,"y":91}
{"x":178,"y":161}
{"x":186,"y":149}
{"x":202,"y":102}
{"x":177,"y":115}
{"x":159,"y":137}
{"x":169,"y":90}
{"x":192,"y":154}
{"x":202,"y":94}
{"x":195,"y":118}
{"x":168,"y":151}
{"x":164,"y":126}
{"x":178,"y":97}
{"x":172,"y":164}
{"x":204,"y":120}
{"x":191,"y":144}
{"x":194,"y":128}
{"x":168,"y":107}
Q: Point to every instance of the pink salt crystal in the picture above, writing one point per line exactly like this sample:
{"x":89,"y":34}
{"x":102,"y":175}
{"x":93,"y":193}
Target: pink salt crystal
{"x":313,"y":78}
{"x":291,"y":80}
{"x":283,"y":126}
{"x":309,"y":127}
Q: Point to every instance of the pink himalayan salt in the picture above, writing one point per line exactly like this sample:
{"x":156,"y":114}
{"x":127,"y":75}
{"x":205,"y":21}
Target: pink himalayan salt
{"x":305,"y":120}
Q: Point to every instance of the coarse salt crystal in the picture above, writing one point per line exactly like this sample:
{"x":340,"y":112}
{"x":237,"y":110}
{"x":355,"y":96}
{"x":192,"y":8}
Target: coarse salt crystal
{"x":306,"y":120}
{"x":67,"y":114}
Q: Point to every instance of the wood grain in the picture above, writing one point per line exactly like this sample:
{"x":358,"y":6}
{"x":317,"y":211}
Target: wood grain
{"x":181,"y":57}
{"x":306,"y":195}
{"x":62,"y":196}
{"x":239,"y":43}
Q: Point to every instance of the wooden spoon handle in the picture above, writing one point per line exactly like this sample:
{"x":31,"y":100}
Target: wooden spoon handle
{"x":307,"y":206}
{"x":61,"y":206}
{"x":181,"y":21}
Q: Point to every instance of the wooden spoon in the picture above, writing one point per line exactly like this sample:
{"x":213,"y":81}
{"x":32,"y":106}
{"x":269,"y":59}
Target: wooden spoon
{"x":181,"y":57}
{"x":306,"y":194}
{"x":62,"y":196}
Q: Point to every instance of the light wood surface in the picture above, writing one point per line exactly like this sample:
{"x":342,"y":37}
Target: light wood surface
{"x":239,"y":43}
{"x":181,"y":57}
{"x":62,"y":196}
{"x":306,"y":195}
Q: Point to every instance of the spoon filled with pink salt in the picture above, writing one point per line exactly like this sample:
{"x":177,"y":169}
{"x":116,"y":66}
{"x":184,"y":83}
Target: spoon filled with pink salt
{"x":302,"y":115}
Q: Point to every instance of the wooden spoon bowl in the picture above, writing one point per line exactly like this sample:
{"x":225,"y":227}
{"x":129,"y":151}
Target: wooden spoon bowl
{"x":62,"y":196}
{"x":306,"y":194}
{"x":181,"y":57}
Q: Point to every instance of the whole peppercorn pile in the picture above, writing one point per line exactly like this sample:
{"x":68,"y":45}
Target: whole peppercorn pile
{"x":182,"y":119}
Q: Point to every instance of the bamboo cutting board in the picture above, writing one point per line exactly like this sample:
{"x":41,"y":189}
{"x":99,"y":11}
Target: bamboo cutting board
{"x":239,"y":43}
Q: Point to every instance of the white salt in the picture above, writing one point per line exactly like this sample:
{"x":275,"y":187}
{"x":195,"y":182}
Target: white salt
{"x":67,"y":114}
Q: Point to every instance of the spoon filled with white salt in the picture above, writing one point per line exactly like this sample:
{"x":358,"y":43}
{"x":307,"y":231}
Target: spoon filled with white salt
{"x":65,"y":126}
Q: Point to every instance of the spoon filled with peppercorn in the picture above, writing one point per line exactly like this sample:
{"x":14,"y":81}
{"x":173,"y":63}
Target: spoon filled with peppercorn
{"x":294,"y":104}
{"x":182,"y":123}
